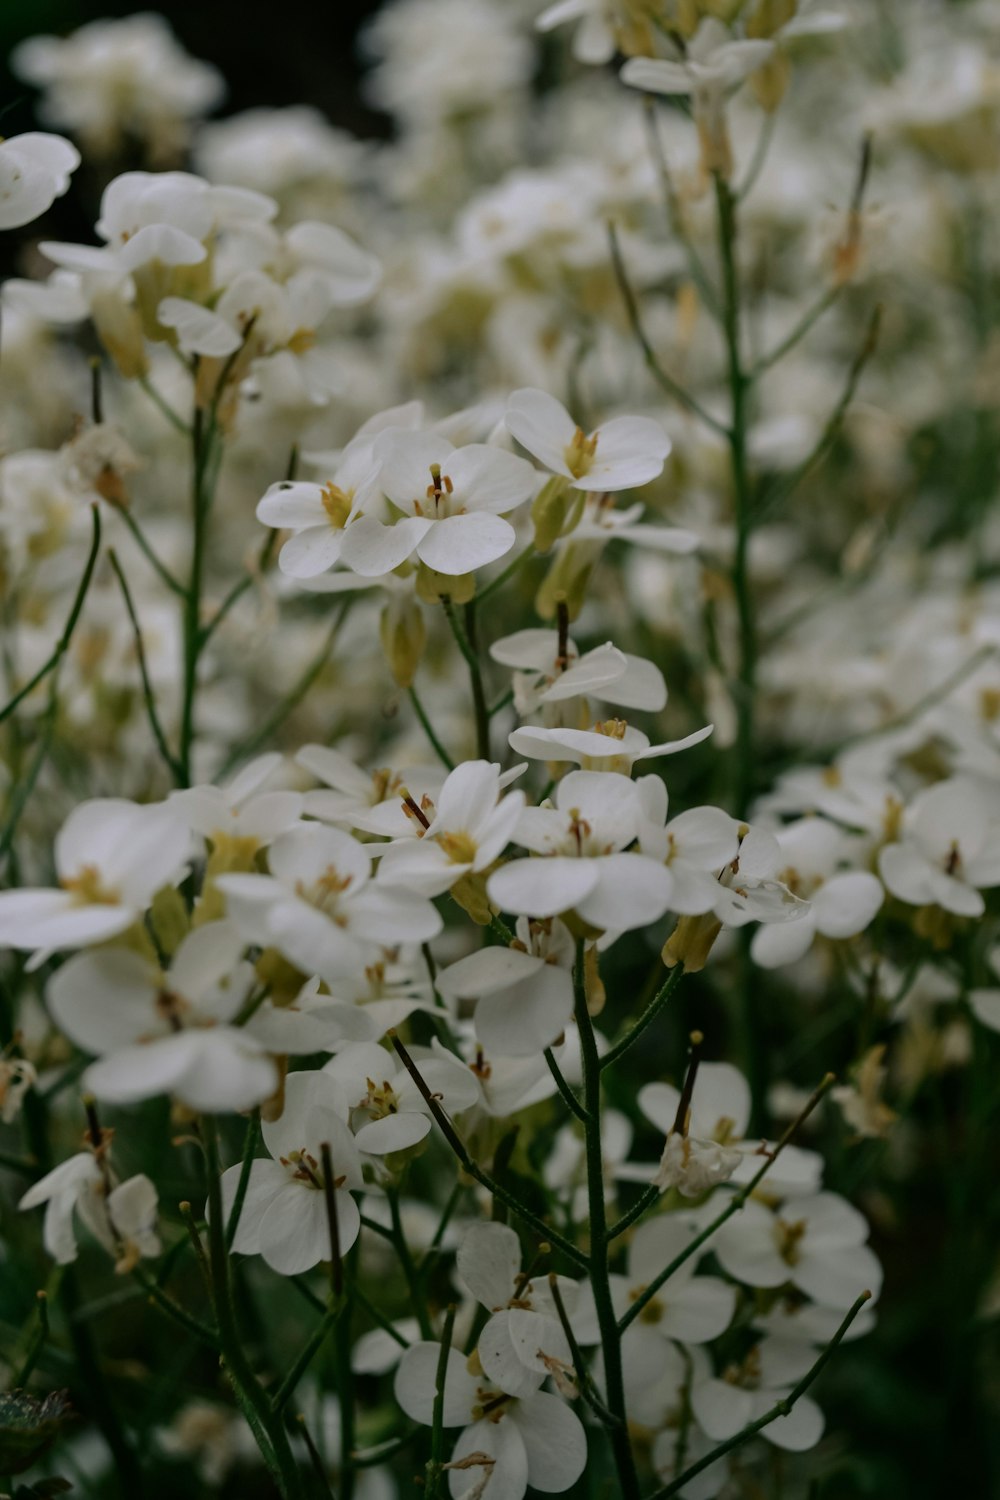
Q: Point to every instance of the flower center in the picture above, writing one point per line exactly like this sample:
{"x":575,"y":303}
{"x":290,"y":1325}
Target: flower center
{"x":654,"y":1309}
{"x":459,"y":847}
{"x":381,"y":1100}
{"x":306,"y":1169}
{"x":87,"y":888}
{"x":579,"y":453}
{"x":326,"y":892}
{"x":790,"y":1237}
{"x":337,"y":504}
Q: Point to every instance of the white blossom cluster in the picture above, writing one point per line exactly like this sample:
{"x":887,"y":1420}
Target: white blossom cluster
{"x":423,"y":501}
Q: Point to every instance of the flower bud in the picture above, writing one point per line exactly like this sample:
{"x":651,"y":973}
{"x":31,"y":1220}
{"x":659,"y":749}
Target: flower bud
{"x":549,"y":511}
{"x":432,"y":587}
{"x":691,"y":942}
{"x":403,"y":632}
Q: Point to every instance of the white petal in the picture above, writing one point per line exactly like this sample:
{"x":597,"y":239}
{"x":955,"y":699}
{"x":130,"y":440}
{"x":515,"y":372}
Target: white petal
{"x":460,"y":544}
{"x":542,"y":887}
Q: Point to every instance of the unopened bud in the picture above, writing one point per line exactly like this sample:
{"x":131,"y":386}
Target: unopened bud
{"x":549,"y":511}
{"x":691,"y":942}
{"x":403,"y":633}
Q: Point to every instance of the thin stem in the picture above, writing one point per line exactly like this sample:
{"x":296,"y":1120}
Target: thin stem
{"x":174,"y":1310}
{"x":435,"y":1464}
{"x":291,"y":700}
{"x":39,"y":1339}
{"x":202,"y":435}
{"x":473,"y":1169}
{"x":145,"y":547}
{"x":828,"y":437}
{"x":587,"y":1389}
{"x":760,"y":150}
{"x":174,"y":766}
{"x":646,"y":1200}
{"x":779,"y":1409}
{"x":502,"y":578}
{"x":745,"y":685}
{"x":569,"y":1098}
{"x":614,"y":1382}
{"x":466,"y":640}
{"x":246,"y":1167}
{"x":734,"y":1205}
{"x":429,"y":730}
{"x":268,"y":1431}
{"x":25,"y":785}
{"x":407,"y":1265}
{"x":333,"y":1222}
{"x":302,"y":1361}
{"x":675,"y":213}
{"x":164,"y":406}
{"x":647,"y":1018}
{"x":801,"y":328}
{"x":71,"y":621}
{"x":319,"y":1469}
{"x":666,"y":382}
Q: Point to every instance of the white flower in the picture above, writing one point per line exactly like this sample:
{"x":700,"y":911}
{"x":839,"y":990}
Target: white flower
{"x":524,"y":993}
{"x":693,"y":1166}
{"x":695,"y":846}
{"x":111,"y":80}
{"x":815,"y":1243}
{"x":841,"y":902}
{"x":449,"y":502}
{"x":320,"y":907}
{"x":719,"y":1115}
{"x":725,"y":1406}
{"x":370,"y":801}
{"x":123,"y":1220}
{"x":241,"y":809}
{"x":594,"y":38}
{"x":535,"y":1439}
{"x":111,"y":857}
{"x":584,"y":867}
{"x":949,"y":849}
{"x":284,"y":1215}
{"x":34,"y":171}
{"x":389,"y":1113}
{"x":471,"y":826}
{"x":611,"y":746}
{"x":523,"y":1342}
{"x":166,"y":1033}
{"x":619,"y":455}
{"x":750,"y":890}
{"x":318,"y":515}
{"x":544,"y":676}
{"x":711,"y":63}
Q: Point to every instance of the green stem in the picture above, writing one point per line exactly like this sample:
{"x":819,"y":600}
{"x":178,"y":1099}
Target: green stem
{"x":614,"y":1381}
{"x":502,"y":578}
{"x":71,"y":621}
{"x":303,"y":1360}
{"x":779,"y":1409}
{"x":744,"y":687}
{"x":569,"y":1098}
{"x":201,"y":445}
{"x":407,"y":1265}
{"x":467,"y":642}
{"x":172,"y":764}
{"x":665,"y":381}
{"x":645,"y":1201}
{"x":429,"y":730}
{"x":246,"y":1167}
{"x":268,"y":1430}
{"x":145,"y":547}
{"x":435,"y":1464}
{"x":648,"y":1016}
{"x":473,"y":1169}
